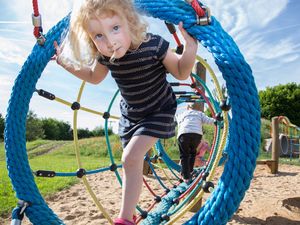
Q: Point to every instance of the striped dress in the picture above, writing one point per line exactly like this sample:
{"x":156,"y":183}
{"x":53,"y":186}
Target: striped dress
{"x":148,"y":104}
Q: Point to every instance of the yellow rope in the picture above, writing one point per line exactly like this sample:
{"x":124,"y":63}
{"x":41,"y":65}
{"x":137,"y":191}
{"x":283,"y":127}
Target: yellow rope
{"x":213,"y":76}
{"x":88,"y":187}
{"x":94,"y":197}
{"x":84,"y":108}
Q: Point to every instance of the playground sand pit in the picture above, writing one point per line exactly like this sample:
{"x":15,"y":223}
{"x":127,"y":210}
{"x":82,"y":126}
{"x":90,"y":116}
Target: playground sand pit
{"x":271,"y":199}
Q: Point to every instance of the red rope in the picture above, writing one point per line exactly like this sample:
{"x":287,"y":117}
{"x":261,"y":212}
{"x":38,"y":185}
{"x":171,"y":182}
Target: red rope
{"x":196,"y":6}
{"x":36,"y":30}
{"x":177,"y":39}
{"x":35,"y":8}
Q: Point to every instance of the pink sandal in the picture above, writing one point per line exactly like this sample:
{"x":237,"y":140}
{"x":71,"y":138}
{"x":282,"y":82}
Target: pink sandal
{"x":120,"y":221}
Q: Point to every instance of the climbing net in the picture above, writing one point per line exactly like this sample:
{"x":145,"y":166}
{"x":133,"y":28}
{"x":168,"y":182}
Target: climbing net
{"x":240,"y":140}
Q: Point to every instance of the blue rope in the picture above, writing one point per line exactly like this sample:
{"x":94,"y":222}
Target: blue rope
{"x":242,"y":147}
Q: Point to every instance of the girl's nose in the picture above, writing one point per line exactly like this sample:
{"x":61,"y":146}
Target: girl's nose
{"x":111,"y":43}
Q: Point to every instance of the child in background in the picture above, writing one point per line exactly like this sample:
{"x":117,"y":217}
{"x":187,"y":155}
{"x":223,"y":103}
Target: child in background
{"x":116,"y":40}
{"x":189,"y":137}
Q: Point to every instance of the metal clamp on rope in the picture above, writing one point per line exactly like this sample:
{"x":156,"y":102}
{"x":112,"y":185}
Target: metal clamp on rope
{"x":23,"y":204}
{"x":37,"y":22}
{"x":204,"y":20}
{"x":18,"y":212}
{"x":41,"y":39}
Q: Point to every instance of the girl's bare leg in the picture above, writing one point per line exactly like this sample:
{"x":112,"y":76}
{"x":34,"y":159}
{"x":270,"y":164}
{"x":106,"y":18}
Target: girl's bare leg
{"x":133,"y":158}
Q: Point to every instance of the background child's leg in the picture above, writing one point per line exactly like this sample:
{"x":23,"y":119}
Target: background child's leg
{"x":183,"y":144}
{"x":195,"y":140}
{"x":132,"y":158}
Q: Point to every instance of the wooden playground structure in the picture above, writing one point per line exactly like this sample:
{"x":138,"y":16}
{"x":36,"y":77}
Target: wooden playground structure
{"x":285,"y":141}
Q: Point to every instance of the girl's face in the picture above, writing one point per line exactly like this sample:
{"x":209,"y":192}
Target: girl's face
{"x":110,"y":34}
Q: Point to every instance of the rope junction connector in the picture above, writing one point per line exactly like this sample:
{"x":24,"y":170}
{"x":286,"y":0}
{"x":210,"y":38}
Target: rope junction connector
{"x":202,"y":12}
{"x":80,"y":173}
{"x":45,"y":94}
{"x":37,"y":20}
{"x":18,"y":212}
{"x":44,"y":173}
{"x":38,"y":30}
{"x":23,"y":204}
{"x":205,"y":20}
{"x":225,"y":105}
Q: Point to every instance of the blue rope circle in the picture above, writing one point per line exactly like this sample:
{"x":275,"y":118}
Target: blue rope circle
{"x":243,"y":142}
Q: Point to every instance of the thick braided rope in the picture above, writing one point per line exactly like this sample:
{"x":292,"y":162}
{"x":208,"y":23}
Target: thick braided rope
{"x":15,"y":129}
{"x":244,"y":138}
{"x":244,"y":128}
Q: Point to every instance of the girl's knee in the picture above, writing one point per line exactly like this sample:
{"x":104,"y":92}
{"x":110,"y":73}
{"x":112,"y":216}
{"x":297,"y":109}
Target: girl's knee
{"x":130,"y":161}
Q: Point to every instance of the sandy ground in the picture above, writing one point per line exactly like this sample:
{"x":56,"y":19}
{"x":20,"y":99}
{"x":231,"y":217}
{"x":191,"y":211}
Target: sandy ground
{"x":271,"y":199}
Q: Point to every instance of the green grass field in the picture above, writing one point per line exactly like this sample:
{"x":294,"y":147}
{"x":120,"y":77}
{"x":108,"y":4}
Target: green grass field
{"x":60,"y":157}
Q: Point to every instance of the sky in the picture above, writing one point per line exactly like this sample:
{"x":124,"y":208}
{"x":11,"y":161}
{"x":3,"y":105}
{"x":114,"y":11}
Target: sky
{"x":267,"y":33}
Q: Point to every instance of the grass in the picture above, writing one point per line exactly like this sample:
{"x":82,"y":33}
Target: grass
{"x":60,"y":157}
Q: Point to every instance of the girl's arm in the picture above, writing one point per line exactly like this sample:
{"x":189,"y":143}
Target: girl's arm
{"x":181,"y":67}
{"x":92,"y":75}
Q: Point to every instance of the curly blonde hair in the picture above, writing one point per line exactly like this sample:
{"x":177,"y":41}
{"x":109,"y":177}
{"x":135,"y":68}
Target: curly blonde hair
{"x":94,"y":8}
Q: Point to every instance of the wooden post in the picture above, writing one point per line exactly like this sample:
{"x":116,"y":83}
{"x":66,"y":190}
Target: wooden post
{"x":275,"y":145}
{"x":201,"y":72}
{"x":146,"y":168}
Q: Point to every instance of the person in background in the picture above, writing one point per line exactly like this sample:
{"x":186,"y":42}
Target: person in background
{"x":189,"y":137}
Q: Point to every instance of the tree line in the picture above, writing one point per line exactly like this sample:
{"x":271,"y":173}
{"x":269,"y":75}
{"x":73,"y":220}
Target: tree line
{"x":280,"y":100}
{"x":52,"y":129}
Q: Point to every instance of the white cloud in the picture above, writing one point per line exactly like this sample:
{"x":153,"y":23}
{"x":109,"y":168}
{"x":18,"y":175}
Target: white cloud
{"x":236,"y":15}
{"x":6,"y":83}
{"x":10,"y":52}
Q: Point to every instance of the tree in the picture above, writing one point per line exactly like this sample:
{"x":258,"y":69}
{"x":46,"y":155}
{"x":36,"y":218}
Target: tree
{"x":2,"y":121}
{"x":281,"y":100}
{"x":56,"y":130}
{"x":34,"y":127}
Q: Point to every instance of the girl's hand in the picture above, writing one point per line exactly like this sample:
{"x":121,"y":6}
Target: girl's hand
{"x":188,"y":38}
{"x":57,"y":54}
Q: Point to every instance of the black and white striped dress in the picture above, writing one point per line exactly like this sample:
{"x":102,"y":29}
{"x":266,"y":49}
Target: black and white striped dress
{"x":148,"y":104}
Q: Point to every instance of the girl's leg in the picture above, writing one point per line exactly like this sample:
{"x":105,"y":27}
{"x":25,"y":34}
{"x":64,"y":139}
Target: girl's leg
{"x":132,"y":158}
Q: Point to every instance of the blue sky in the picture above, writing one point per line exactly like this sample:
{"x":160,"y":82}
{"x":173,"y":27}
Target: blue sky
{"x":267,"y":33}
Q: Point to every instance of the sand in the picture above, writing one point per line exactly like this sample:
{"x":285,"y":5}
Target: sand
{"x":271,"y":199}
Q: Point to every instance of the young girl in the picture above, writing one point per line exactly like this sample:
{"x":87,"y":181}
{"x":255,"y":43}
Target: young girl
{"x":138,"y":61}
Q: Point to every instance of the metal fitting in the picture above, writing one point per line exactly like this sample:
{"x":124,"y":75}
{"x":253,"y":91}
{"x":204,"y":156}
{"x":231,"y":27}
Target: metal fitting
{"x":36,"y":20}
{"x":205,"y":20}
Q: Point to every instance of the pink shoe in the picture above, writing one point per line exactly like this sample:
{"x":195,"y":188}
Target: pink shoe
{"x":134,"y":217}
{"x":120,"y":221}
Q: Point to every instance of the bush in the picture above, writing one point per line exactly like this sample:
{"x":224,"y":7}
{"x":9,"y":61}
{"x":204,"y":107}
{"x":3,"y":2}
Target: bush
{"x":2,"y":121}
{"x":281,"y":100}
{"x":34,"y":127}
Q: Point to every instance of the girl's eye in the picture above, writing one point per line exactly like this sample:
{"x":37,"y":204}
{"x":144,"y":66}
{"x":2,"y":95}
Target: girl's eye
{"x":98,"y":36}
{"x":117,"y":27}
